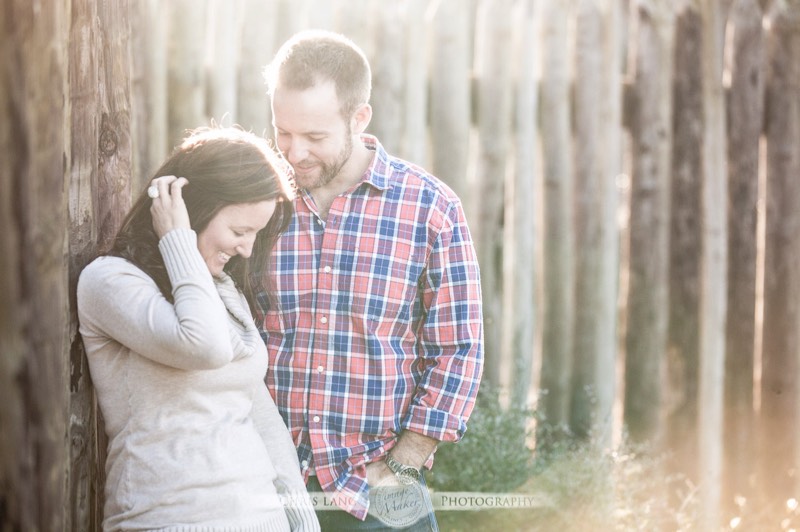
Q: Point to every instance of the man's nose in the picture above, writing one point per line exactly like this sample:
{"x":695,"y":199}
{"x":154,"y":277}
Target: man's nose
{"x":295,"y":151}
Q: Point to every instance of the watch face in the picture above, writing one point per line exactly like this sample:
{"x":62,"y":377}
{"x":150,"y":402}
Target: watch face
{"x":405,"y":474}
{"x":408,"y":475}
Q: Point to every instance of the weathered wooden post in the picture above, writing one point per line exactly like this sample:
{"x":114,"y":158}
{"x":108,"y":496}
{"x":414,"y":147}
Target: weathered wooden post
{"x":714,"y":273}
{"x":100,"y":177}
{"x":149,"y":28}
{"x":521,"y":229}
{"x":417,"y":77}
{"x":685,"y":251}
{"x":559,"y":207}
{"x":780,"y":385}
{"x":186,"y":67}
{"x":745,"y":125}
{"x":387,"y":86}
{"x":651,"y":131}
{"x":223,"y":60}
{"x":34,"y":309}
{"x":598,"y":160}
{"x":258,"y":47}
{"x":84,"y":68}
{"x":450,"y":96}
{"x":493,"y":84}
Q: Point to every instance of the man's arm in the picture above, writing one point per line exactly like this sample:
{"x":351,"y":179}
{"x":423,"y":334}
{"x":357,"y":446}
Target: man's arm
{"x":412,"y":449}
{"x":451,"y":339}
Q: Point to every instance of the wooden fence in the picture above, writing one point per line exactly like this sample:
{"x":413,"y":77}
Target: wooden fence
{"x":629,"y":168}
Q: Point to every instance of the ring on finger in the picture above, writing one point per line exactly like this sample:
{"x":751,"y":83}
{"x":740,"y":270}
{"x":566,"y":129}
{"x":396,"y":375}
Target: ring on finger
{"x":152,"y":191}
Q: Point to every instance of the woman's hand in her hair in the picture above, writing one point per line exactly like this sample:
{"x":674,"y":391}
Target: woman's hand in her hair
{"x":168,"y":209}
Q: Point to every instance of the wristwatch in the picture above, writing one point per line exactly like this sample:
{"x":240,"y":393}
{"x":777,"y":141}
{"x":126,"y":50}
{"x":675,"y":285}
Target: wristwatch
{"x":406,"y":474}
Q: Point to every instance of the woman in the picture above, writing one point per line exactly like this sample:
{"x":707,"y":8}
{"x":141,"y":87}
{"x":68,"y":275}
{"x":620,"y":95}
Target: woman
{"x":195,"y":440}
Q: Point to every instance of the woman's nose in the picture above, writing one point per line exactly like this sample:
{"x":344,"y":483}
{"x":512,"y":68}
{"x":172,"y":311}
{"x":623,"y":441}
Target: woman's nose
{"x":245,"y":249}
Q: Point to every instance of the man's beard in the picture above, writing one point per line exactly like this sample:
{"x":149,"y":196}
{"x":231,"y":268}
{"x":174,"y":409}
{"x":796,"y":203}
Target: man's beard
{"x":327,"y":172}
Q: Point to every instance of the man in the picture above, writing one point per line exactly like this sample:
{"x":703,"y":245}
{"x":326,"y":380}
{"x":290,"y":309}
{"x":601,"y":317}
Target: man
{"x":375,"y":337}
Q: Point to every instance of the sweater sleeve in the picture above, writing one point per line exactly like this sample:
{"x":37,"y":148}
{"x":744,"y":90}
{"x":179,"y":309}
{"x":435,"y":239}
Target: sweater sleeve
{"x":282,"y":453}
{"x":119,"y":301}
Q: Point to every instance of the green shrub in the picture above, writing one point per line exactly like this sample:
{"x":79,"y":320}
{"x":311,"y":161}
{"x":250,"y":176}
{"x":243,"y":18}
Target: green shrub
{"x":628,"y":488}
{"x":493,"y":456}
{"x":582,"y":485}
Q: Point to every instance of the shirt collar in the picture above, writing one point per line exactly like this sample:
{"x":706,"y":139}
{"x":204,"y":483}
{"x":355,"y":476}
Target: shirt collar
{"x":377,"y":175}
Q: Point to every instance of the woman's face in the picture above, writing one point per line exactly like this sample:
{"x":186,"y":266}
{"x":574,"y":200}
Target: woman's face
{"x":232,"y":231}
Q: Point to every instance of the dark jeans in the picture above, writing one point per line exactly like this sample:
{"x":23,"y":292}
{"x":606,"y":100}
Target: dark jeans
{"x":339,"y":520}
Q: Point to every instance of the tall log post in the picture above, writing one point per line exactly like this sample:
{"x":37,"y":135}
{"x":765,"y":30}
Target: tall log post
{"x":415,"y":107}
{"x":387,"y":87}
{"x":521,"y":263}
{"x":685,"y":245}
{"x":148,"y":88}
{"x":100,"y":180}
{"x":558,"y":215}
{"x":493,"y":96}
{"x":745,"y":126}
{"x":223,"y":62}
{"x":34,"y":371}
{"x":186,"y":75}
{"x":450,"y":96}
{"x":714,"y":274}
{"x":597,"y":164}
{"x":85,"y":470}
{"x":780,"y":374}
{"x":258,"y":47}
{"x":648,"y":300}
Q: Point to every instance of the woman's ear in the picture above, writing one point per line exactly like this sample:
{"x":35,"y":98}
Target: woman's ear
{"x":361,"y":118}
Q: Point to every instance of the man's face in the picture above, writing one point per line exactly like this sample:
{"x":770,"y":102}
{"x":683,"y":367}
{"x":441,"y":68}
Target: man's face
{"x":311,"y":133}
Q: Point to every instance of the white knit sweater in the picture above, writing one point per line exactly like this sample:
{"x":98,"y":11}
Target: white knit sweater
{"x":195,"y":440}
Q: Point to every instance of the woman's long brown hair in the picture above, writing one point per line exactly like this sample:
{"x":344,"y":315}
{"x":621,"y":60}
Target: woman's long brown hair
{"x":224,"y":166}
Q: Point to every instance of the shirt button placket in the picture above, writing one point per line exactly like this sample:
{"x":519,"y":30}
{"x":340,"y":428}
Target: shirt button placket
{"x":323,"y":312}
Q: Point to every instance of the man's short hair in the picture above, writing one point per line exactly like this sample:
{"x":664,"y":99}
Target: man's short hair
{"x":316,"y":56}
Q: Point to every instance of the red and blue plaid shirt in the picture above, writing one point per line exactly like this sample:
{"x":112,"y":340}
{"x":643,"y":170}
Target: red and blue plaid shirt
{"x":379,"y":328}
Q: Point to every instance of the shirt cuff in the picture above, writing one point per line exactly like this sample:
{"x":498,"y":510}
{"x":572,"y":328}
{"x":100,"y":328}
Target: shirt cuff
{"x":436,"y":424}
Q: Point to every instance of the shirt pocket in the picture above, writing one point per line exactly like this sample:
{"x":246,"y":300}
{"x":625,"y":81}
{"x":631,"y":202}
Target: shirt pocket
{"x":384,"y":301}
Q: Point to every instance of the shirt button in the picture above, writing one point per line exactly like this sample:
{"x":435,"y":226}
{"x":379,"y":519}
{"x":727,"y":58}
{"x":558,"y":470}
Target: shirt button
{"x":320,"y":369}
{"x":304,"y":463}
{"x":316,"y":419}
{"x":323,"y":319}
{"x":327,"y":269}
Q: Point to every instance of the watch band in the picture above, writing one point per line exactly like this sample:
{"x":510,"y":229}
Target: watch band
{"x":406,"y":474}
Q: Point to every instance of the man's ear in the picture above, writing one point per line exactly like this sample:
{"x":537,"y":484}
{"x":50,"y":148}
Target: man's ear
{"x":361,"y":118}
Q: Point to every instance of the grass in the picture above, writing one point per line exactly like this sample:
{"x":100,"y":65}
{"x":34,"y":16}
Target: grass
{"x":622,"y":490}
{"x":629,"y":488}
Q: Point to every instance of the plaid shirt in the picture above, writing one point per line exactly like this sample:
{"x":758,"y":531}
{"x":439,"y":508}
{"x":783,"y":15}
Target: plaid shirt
{"x":380,"y":323}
